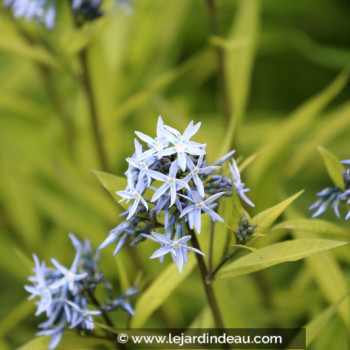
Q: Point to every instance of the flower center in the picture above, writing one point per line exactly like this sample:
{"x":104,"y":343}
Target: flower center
{"x":200,"y":205}
{"x":144,"y":166}
{"x":176,"y":244}
{"x":137,"y":195}
{"x":70,"y":276}
{"x":171,"y":180}
{"x":195,"y":171}
{"x":180,"y":147}
{"x":159,"y":146}
{"x":46,"y":293}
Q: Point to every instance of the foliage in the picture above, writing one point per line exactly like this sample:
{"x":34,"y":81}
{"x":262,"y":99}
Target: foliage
{"x":261,"y":81}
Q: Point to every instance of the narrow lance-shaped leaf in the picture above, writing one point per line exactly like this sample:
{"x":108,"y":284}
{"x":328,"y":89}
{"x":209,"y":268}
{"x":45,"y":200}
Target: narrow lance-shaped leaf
{"x":333,"y":166}
{"x":322,"y":227}
{"x":241,"y":47}
{"x":291,"y":128}
{"x":315,"y":326}
{"x":159,"y":291}
{"x":266,"y":218}
{"x":277,"y":254}
{"x":112,"y":183}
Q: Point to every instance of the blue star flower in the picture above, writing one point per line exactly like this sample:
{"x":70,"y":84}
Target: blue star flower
{"x":133,"y":193}
{"x":193,"y":212}
{"x":56,"y":334}
{"x":171,"y":183}
{"x":238,"y":184}
{"x":70,"y":276}
{"x":155,"y":145}
{"x":177,"y":248}
{"x":140,"y":163}
{"x":41,"y":288}
{"x":43,"y":11}
{"x":199,"y":168}
{"x":182,"y":144}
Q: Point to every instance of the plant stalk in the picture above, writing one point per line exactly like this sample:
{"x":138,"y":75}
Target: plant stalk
{"x":87,"y":86}
{"x":220,"y":55}
{"x":107,"y":320}
{"x":208,"y":288}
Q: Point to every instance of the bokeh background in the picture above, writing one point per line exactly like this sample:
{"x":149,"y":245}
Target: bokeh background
{"x":286,"y":73}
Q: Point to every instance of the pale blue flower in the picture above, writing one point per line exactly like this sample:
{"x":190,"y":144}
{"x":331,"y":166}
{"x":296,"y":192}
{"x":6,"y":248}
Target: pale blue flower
{"x":133,"y":193}
{"x":55,"y":334}
{"x":43,"y":11}
{"x":193,"y":212}
{"x":197,"y":169}
{"x":70,"y":277}
{"x":82,"y":316}
{"x":41,"y":288}
{"x":328,"y":197}
{"x":225,"y":158}
{"x":177,"y":248}
{"x":171,"y":183}
{"x":140,"y":163}
{"x":346,"y":162}
{"x":155,"y":145}
{"x":182,"y":144}
{"x":238,"y":184}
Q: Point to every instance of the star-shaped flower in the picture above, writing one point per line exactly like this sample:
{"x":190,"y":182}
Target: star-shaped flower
{"x":182,"y":144}
{"x":156,"y":145}
{"x":177,"y":248}
{"x":194,"y":211}
{"x":133,"y":193}
{"x":140,"y":163}
{"x":198,"y":169}
{"x":69,"y":276}
{"x":171,"y":183}
{"x":238,"y":184}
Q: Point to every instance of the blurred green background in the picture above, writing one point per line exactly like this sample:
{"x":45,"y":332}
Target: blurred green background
{"x":286,"y":72}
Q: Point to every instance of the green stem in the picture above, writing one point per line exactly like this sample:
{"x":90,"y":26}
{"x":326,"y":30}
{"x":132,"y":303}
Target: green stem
{"x":211,"y":247}
{"x":111,"y":335}
{"x":220,"y":54}
{"x":228,"y":257}
{"x":209,"y":291}
{"x":87,"y":86}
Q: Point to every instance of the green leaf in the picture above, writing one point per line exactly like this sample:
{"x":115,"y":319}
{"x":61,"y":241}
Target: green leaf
{"x":266,"y":218}
{"x":289,"y":129}
{"x":316,"y":226}
{"x":159,"y":291}
{"x":314,"y":327}
{"x":112,"y":183}
{"x":240,"y":47}
{"x":336,"y":123}
{"x":38,"y":343}
{"x":17,"y":314}
{"x":277,"y":254}
{"x":331,"y":280}
{"x":333,"y":166}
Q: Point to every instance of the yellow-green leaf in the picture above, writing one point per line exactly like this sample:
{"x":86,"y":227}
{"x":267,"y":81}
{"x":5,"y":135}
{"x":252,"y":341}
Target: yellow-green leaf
{"x":315,"y":326}
{"x":159,"y":291}
{"x":333,"y":166}
{"x":277,"y":254}
{"x":112,"y":183}
{"x":266,"y":218}
{"x":316,"y":226}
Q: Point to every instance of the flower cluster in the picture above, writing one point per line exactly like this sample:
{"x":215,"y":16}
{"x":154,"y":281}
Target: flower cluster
{"x":334,"y":196}
{"x":45,"y":11}
{"x":170,"y":186}
{"x":65,"y":295}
